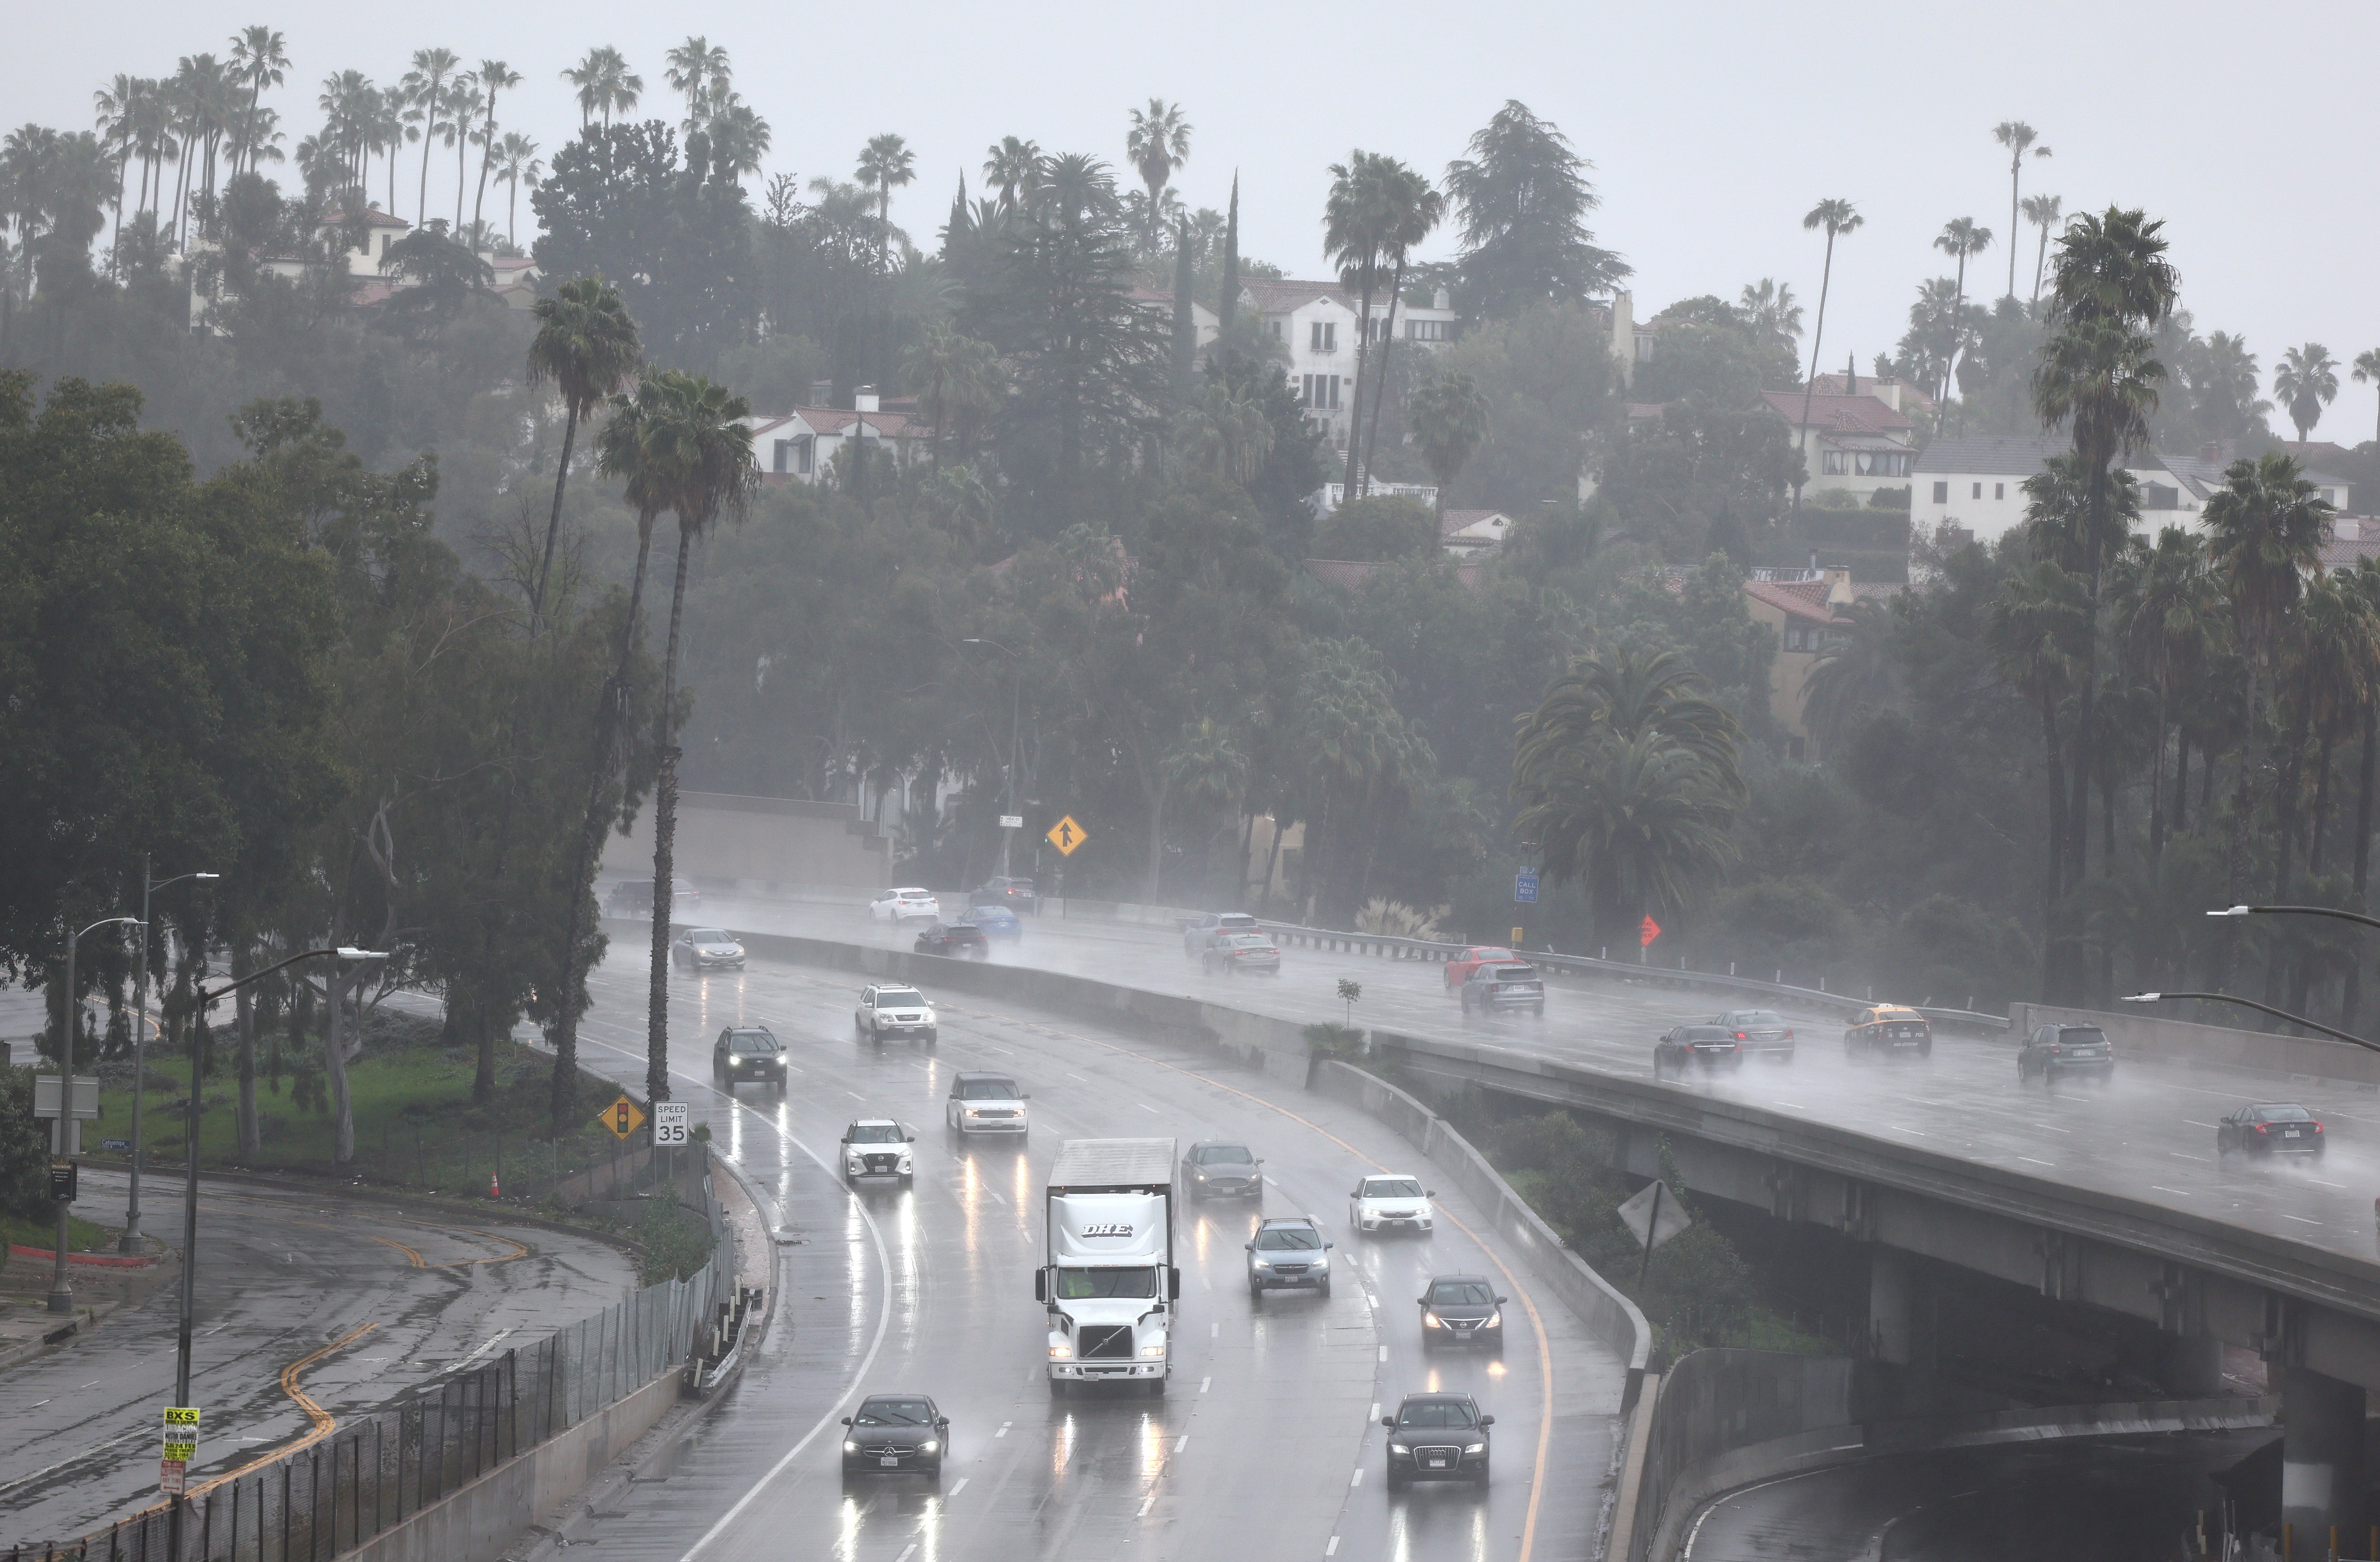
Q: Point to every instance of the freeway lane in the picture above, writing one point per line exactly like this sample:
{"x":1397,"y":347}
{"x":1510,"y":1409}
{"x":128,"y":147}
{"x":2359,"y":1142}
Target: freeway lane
{"x":1267,"y":1442}
{"x":281,"y":1274}
{"x":2148,"y":1136}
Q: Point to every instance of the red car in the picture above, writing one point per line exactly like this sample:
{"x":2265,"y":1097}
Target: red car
{"x":1459,"y":969}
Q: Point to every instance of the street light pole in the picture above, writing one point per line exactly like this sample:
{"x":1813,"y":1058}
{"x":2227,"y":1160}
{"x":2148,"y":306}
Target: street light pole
{"x":2251,"y":1003}
{"x":130,"y":1242}
{"x":62,"y":1289}
{"x":1015,"y":742}
{"x":2304,"y":911}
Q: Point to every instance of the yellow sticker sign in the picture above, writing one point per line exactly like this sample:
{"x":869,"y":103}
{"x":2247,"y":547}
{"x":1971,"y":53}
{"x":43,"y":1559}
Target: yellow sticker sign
{"x":1066,"y":835}
{"x":622,"y":1117}
{"x":181,"y":1434}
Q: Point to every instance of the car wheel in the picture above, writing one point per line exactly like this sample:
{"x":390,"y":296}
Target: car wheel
{"x":1482,"y":1477}
{"x":1539,"y":1012}
{"x":858,"y":1030}
{"x":1396,"y":1482}
{"x":1325,"y":1291}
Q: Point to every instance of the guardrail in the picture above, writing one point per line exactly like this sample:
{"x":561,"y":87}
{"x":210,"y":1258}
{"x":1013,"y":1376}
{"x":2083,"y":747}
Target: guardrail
{"x":339,"y":1486}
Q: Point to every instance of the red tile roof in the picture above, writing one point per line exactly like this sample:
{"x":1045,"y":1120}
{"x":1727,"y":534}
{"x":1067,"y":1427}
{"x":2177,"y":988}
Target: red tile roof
{"x":1841,"y":415}
{"x":1457,"y":520}
{"x":1275,"y":295}
{"x":1836,"y":385}
{"x":1799,"y":598}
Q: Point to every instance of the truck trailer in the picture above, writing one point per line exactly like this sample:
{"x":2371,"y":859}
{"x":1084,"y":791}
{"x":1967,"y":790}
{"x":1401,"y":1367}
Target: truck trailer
{"x":1108,"y":1284}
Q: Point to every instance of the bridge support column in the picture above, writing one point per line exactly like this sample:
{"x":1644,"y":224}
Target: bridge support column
{"x":1899,"y":1309}
{"x":2322,"y":1460}
{"x":2192,"y":1366}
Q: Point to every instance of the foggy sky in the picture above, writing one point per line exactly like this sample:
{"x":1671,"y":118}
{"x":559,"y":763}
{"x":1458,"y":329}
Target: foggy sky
{"x":1713,"y":128}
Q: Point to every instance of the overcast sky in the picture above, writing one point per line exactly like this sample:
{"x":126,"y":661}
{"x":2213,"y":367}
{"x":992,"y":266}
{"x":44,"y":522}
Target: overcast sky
{"x":1713,"y":127}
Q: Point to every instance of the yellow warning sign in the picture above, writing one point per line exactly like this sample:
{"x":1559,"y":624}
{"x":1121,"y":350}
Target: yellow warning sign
{"x":622,"y":1117}
{"x":1066,"y":835}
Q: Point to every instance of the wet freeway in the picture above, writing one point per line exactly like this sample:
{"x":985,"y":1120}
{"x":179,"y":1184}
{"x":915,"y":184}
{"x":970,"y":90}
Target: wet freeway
{"x":1267,"y":1443}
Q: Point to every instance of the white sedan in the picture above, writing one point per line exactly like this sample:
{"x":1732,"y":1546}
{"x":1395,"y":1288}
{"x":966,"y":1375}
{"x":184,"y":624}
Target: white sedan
{"x":1392,"y":1203}
{"x":897,"y":906}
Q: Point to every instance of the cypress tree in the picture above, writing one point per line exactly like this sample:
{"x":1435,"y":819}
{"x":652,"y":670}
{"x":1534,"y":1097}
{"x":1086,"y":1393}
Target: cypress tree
{"x":1186,"y":322}
{"x":1228,"y":304}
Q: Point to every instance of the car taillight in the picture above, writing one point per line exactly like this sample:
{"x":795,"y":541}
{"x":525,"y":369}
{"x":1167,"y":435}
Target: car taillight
{"x":2262,"y":1128}
{"x":2054,"y":1047}
{"x":2317,"y":1128}
{"x":1738,"y":1035}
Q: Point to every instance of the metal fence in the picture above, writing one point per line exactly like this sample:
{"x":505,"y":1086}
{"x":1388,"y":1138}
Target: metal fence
{"x":339,"y":1487}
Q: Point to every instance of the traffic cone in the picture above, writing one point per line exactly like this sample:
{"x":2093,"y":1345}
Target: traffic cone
{"x":494,"y":1190}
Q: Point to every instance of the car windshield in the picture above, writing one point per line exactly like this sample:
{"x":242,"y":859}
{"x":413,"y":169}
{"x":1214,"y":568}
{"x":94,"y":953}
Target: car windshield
{"x":1391,"y":1188}
{"x":876,"y":1133}
{"x":1459,"y":1293}
{"x":1080,"y":1285}
{"x":2083,"y":1035}
{"x":1246,"y":941}
{"x":899,"y":997}
{"x":751,"y":1041}
{"x":2283,"y":1114}
{"x":894,"y":1413}
{"x":988,"y":1090}
{"x":1273,"y":1239}
{"x":1221,"y":1155}
{"x":1516,"y":973}
{"x":1238,"y":920}
{"x":1437,"y":1412}
{"x":1753,"y":1017}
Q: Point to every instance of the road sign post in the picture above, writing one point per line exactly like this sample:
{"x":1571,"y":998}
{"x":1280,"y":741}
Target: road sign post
{"x":1646,"y":933}
{"x":670,"y":1121}
{"x":1524,"y":888}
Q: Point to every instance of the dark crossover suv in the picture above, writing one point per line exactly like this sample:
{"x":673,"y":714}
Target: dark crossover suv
{"x":959,"y":941}
{"x":1711,"y":1049}
{"x":2270,"y":1129}
{"x":2055,"y":1052}
{"x":1214,"y":1170}
{"x":892,"y":1433}
{"x":1461,"y":1310}
{"x":746,"y":1052}
{"x":1438,"y":1438}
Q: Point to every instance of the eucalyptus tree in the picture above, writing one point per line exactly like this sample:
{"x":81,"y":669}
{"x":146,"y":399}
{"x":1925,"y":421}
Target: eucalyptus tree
{"x":2306,"y":380}
{"x":494,"y":77}
{"x":2042,"y":212}
{"x":585,"y":346}
{"x":2018,"y":137}
{"x":1838,"y":218}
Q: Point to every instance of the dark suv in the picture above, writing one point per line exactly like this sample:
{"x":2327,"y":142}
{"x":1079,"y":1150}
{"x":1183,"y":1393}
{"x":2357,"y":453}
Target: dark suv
{"x":1438,"y":1438}
{"x":746,"y":1052}
{"x":959,"y":941}
{"x":2055,"y":1052}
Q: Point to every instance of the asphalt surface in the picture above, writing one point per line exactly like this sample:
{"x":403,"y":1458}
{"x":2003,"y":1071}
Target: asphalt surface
{"x":281,"y":1275}
{"x":1267,"y":1445}
{"x":2149,"y":1134}
{"x":2112,"y":1499}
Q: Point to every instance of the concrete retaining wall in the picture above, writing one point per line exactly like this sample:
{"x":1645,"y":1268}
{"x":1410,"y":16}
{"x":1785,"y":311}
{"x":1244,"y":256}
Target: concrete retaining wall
{"x":767,"y":844}
{"x":2144,"y":1037}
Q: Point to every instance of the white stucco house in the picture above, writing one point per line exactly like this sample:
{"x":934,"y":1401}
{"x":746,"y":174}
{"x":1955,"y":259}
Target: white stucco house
{"x":1978,"y":484}
{"x":799,"y":445}
{"x":1317,"y":323}
{"x":1851,"y":443}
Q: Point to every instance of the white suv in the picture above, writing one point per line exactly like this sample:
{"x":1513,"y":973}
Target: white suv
{"x":988,"y":1104}
{"x":878,"y":1148}
{"x":894,"y":1014}
{"x":1203,"y":933}
{"x":1392,"y":1203}
{"x":897,"y":906}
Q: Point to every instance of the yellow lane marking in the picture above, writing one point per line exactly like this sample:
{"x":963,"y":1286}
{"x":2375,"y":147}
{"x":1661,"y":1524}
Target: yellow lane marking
{"x":1545,"y":1349}
{"x":324,"y":1422}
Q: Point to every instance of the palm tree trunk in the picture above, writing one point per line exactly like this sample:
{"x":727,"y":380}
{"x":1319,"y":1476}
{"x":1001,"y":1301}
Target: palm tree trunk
{"x":2354,"y":989}
{"x":2321,"y":802}
{"x":665,"y":836}
{"x":2156,"y":780}
{"x":2086,"y":737}
{"x":2051,"y":891}
{"x":1810,"y":380}
{"x":1247,"y":839}
{"x":2016,"y":173}
{"x":429,"y":130}
{"x":553,"y":521}
{"x":2180,"y":778}
{"x":2040,"y":263}
{"x":486,"y":155}
{"x":1355,"y":403}
{"x":461,"y":157}
{"x":1381,"y":387}
{"x":2286,"y":804}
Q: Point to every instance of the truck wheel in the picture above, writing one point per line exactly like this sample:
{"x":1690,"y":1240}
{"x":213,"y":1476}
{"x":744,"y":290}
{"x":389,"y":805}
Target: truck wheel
{"x":1157,"y":1388}
{"x":1056,"y":1388}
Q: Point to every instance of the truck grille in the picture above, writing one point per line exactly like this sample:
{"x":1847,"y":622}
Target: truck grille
{"x":1103,"y":1339}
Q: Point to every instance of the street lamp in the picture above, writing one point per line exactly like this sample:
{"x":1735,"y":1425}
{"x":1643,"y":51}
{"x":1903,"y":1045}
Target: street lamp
{"x":2308,"y":911}
{"x":206,"y":1000}
{"x":2251,"y":1003}
{"x":130,"y":1242}
{"x":1015,"y":706}
{"x":62,"y":1289}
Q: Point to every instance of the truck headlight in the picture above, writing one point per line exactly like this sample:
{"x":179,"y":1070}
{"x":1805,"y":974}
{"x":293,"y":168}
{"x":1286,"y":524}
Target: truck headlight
{"x":1156,"y":1350}
{"x":1061,"y":1351}
{"x":849,"y":1446}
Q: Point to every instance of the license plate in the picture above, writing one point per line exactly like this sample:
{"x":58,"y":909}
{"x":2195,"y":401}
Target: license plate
{"x":888,"y":1461}
{"x":2289,"y":1133}
{"x":1438,"y":1464}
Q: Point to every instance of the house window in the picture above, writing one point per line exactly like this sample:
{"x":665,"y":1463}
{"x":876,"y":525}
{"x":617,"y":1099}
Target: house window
{"x":802,"y":448}
{"x":1430,"y":331}
{"x":1835,"y":463}
{"x":1881,"y":464}
{"x":1941,"y":493}
{"x":1999,"y":490}
{"x":1324,"y":336}
{"x":781,"y":453}
{"x":1277,"y":332}
{"x":2158,"y":496}
{"x":1979,"y":490}
{"x":1319,"y":392}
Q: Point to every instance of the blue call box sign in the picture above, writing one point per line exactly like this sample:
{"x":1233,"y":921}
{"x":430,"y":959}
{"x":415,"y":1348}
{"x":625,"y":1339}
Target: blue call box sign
{"x":1524,"y":888}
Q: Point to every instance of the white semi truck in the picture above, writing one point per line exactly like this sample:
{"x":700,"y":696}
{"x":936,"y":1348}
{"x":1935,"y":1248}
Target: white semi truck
{"x":1107,"y":1283}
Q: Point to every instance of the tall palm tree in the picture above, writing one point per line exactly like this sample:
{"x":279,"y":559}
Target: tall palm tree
{"x":884,"y":162}
{"x":1157,"y":144}
{"x":464,"y":104}
{"x":118,"y":106}
{"x":2367,"y":373}
{"x":1449,"y":417}
{"x":495,"y":76}
{"x":2040,"y":622}
{"x":2167,"y":608}
{"x":1960,"y":237}
{"x":2016,"y":136}
{"x":519,"y":161}
{"x":1014,"y":168}
{"x":425,"y":85}
{"x":2042,"y":212}
{"x":691,"y":67}
{"x":953,"y":372}
{"x":1356,"y":218}
{"x":2365,"y":580}
{"x":585,"y":347}
{"x":2306,"y":380}
{"x":260,"y":58}
{"x":1415,"y":208}
{"x":1769,"y":307}
{"x":698,"y":451}
{"x":1838,"y":217}
{"x":1852,"y":673}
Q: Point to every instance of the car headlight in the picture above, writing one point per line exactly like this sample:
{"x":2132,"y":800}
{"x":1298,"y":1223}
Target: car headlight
{"x":1495,"y":1319}
{"x":735,"y":1059}
{"x":1061,"y":1351}
{"x":927,"y":1018}
{"x":850,"y":1447}
{"x":1156,"y":1350}
{"x":1399,"y":1448}
{"x":931,"y":1446}
{"x":1264,"y":1263}
{"x":1200,"y":1176}
{"x":904,"y":1165}
{"x":973,"y":1112}
{"x":1429,"y":1321}
{"x":1473,"y":1447}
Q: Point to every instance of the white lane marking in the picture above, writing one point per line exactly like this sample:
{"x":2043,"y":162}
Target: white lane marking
{"x":2319,"y":1183}
{"x":1333,"y":1549}
{"x":996,"y":1198}
{"x":1145,"y":1504}
{"x":482,"y":1350}
{"x":81,"y":1386}
{"x":1182,"y":1442}
{"x":855,"y":1095}
{"x":2195,"y":1123}
{"x":2036,"y":1162}
{"x":1384,"y":1353}
{"x":1078,"y":1076}
{"x":1356,"y":1479}
{"x":2163,"y":1189}
{"x":1918,"y":1133}
{"x":907,"y":1552}
{"x":1204,"y":1384}
{"x":1795,"y":1104}
{"x":1272,"y":1182}
{"x":2178,"y":1155}
{"x":2053,"y":1127}
{"x":962,"y":1486}
{"x":1370,"y":1301}
{"x":1376,"y":1409}
{"x":1215,"y":1331}
{"x":28,"y":1480}
{"x":1147,"y":1108}
{"x":39,"y":1403}
{"x":2298,"y":1219}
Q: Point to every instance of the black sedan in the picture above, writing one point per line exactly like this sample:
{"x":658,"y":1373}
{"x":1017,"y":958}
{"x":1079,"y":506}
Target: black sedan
{"x":1461,"y":1310}
{"x":1215,"y":1168}
{"x":1763,"y":1032}
{"x":959,"y":941}
{"x":748,"y":1052}
{"x":2270,"y":1129}
{"x":894,"y":1434}
{"x":1438,"y":1438}
{"x":1711,"y":1049}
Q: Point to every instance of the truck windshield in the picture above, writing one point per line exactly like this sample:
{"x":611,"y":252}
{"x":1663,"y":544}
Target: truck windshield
{"x":1079,"y":1285}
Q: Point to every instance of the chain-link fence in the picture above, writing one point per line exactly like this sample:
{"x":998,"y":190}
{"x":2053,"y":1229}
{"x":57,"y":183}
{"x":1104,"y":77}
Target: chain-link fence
{"x":333,"y":1492}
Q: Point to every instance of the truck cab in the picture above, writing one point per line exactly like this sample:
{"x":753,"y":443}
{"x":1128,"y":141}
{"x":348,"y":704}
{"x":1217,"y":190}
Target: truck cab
{"x":1107,"y":1285}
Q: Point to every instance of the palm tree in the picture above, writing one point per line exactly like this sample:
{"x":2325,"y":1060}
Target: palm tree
{"x":885,"y":161}
{"x":1854,"y":670}
{"x":495,"y":76}
{"x":1415,"y":208}
{"x":2042,"y":212}
{"x":1209,"y":776}
{"x":585,"y":347}
{"x":1960,"y":237}
{"x":464,"y":103}
{"x":953,"y":372}
{"x":519,"y":161}
{"x":2306,"y":380}
{"x":1838,"y":217}
{"x":1015,"y":169}
{"x":1448,"y":418}
{"x":2365,"y":580}
{"x":603,"y":83}
{"x":260,"y":58}
{"x":1157,"y":144}
{"x":1355,"y":222}
{"x":118,"y":106}
{"x":2166,"y":614}
{"x":2016,"y":135}
{"x":1769,"y":307}
{"x":692,"y":66}
{"x":698,"y":452}
{"x":2039,"y":623}
{"x":1631,"y":694}
{"x":425,"y":85}
{"x":2367,"y":372}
